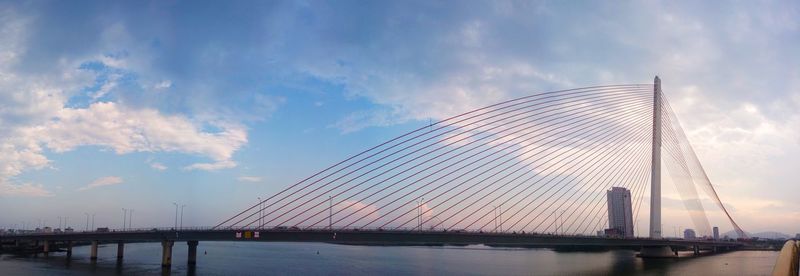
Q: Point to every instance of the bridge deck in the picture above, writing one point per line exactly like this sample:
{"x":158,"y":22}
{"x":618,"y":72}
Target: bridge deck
{"x":375,"y":237}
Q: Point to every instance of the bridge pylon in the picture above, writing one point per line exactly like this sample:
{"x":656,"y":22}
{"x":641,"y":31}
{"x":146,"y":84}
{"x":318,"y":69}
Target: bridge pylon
{"x":655,"y":173}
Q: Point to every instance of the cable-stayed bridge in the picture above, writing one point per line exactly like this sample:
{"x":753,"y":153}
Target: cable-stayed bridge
{"x":531,"y":171}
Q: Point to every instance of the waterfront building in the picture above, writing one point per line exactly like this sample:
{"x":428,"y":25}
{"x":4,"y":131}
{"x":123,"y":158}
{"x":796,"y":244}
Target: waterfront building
{"x":716,"y":233}
{"x":620,"y":213}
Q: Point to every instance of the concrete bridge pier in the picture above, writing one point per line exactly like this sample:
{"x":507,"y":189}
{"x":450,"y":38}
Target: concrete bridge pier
{"x":46,"y":248}
{"x":696,"y":250}
{"x":166,"y":253}
{"x":93,"y":255}
{"x":120,"y":250}
{"x":69,"y":249}
{"x":657,"y":252}
{"x":192,"y":259}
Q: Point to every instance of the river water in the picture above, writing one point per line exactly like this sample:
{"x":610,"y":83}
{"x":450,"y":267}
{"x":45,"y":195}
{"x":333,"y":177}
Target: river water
{"x":231,"y":258}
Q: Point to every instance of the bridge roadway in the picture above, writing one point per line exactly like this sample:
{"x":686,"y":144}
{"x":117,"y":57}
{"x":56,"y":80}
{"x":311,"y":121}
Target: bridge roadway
{"x":362,"y":237}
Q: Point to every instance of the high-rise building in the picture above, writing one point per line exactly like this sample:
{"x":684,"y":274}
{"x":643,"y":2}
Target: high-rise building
{"x":620,"y":214}
{"x":689,"y":234}
{"x":716,"y":233}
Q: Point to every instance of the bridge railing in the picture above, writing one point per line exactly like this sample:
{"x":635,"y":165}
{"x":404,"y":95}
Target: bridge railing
{"x":788,"y":262}
{"x":326,"y":229}
{"x":278,"y":228}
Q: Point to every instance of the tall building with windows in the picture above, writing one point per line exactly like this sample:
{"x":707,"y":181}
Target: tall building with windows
{"x":620,"y":213}
{"x":716,"y":233}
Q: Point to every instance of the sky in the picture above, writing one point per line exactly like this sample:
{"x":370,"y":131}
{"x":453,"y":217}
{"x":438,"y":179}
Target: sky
{"x":106,"y":105}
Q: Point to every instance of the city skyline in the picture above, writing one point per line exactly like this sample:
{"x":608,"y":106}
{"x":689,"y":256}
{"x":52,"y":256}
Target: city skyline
{"x":196,"y":109}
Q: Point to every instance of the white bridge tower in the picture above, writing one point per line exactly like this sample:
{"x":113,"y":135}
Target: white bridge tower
{"x":655,"y":173}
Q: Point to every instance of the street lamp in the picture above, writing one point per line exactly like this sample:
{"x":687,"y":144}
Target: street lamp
{"x":500,"y":216}
{"x":494,"y":219}
{"x":124,"y":217}
{"x":176,"y":215}
{"x":419,"y":213}
{"x":184,"y":205}
{"x":130,"y":220}
{"x":87,"y":222}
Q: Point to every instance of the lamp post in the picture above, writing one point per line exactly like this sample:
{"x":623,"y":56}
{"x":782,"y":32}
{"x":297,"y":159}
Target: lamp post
{"x":87,"y":222}
{"x":124,"y":217}
{"x":93,"y":222}
{"x":259,"y":211}
{"x":184,"y":205}
{"x":176,"y":215}
{"x":500,"y":216}
{"x":419,"y":214}
{"x":130,"y":219}
{"x":494,"y":219}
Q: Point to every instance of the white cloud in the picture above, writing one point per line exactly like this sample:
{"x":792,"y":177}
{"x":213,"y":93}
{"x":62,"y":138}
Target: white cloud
{"x":225,"y":164}
{"x":130,"y":130}
{"x":36,"y":114}
{"x":103,"y":181}
{"x":162,"y":85}
{"x":25,"y":190}
{"x":370,"y":118}
{"x":356,"y":210}
{"x":249,"y":179}
{"x":158,"y":166}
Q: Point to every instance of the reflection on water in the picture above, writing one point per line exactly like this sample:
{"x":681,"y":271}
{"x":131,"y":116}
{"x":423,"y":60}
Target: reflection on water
{"x":230,"y":258}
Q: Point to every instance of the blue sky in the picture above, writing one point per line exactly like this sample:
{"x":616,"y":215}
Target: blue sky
{"x":107,"y":105}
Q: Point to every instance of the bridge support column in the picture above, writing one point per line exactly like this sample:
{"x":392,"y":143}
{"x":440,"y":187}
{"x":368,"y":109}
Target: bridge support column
{"x":166,"y":253}
{"x":93,"y":255}
{"x":656,"y":252}
{"x":46,"y":248}
{"x":192,"y":259}
{"x":696,"y":250}
{"x":69,"y":249}
{"x":120,"y":250}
